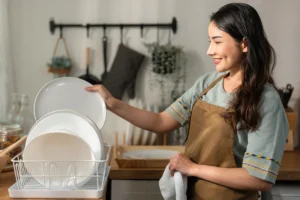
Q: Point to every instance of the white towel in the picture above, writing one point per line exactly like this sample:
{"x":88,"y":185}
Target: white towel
{"x":173,"y":188}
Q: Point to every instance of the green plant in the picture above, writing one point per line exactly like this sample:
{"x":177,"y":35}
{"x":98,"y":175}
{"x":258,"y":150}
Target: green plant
{"x":60,"y":65}
{"x":168,"y":64}
{"x":60,"y":62}
{"x":165,"y":59}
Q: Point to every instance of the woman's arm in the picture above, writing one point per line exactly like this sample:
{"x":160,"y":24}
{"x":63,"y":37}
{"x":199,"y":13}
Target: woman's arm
{"x":154,"y":122}
{"x":237,"y":178}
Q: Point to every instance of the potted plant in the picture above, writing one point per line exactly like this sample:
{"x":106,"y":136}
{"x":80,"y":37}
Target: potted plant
{"x":168,"y":63}
{"x":165,"y":58}
{"x":60,"y":65}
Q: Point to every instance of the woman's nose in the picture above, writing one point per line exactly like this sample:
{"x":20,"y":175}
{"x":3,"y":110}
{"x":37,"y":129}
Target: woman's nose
{"x":210,"y":50}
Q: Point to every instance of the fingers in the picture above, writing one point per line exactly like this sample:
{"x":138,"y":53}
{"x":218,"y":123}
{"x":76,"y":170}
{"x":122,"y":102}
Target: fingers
{"x":93,"y":88}
{"x":172,"y":169}
{"x":172,"y":162}
{"x":172,"y":172}
{"x":175,"y":157}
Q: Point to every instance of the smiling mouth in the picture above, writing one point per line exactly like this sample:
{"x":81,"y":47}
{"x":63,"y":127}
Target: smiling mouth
{"x":217,"y":60}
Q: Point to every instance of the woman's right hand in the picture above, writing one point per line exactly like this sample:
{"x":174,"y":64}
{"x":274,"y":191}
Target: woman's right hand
{"x":105,"y":94}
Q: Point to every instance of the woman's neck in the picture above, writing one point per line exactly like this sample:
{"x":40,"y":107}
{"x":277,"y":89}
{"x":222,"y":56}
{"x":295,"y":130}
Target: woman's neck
{"x":233,"y":80}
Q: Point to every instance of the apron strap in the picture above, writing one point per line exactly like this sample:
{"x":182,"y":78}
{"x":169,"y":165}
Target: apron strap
{"x":213,"y":84}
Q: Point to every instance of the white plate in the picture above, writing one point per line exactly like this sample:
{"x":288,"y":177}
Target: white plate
{"x":61,"y":149}
{"x":72,"y":122}
{"x":69,"y":93}
{"x":150,"y":154}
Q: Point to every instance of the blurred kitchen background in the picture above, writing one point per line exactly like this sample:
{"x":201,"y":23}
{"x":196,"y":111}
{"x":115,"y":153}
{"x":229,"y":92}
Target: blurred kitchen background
{"x":27,"y":47}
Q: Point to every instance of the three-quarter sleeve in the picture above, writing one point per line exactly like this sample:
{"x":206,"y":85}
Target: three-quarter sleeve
{"x":266,"y":145}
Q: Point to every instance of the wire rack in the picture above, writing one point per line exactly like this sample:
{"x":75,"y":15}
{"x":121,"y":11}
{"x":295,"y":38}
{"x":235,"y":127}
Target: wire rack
{"x":60,"y":179}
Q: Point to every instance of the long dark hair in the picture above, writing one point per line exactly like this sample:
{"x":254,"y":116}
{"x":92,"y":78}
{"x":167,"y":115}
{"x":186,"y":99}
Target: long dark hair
{"x":241,"y":21}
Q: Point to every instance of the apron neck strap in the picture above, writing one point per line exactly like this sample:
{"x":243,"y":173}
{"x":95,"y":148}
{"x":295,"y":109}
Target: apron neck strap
{"x":213,"y":84}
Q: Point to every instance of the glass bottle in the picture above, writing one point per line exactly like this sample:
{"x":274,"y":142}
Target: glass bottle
{"x":14,"y":110}
{"x":24,"y":117}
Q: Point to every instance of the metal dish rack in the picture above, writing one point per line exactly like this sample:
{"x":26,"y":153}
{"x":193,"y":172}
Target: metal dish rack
{"x":46,"y":184}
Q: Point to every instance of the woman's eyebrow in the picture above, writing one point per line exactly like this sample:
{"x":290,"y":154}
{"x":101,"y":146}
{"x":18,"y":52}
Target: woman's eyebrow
{"x":215,"y":37}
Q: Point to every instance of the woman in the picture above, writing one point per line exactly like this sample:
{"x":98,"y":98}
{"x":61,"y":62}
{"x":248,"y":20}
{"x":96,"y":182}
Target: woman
{"x":237,"y":124}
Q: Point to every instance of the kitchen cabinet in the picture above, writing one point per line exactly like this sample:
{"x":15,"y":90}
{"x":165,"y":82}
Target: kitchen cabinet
{"x":286,"y":190}
{"x":135,"y":190}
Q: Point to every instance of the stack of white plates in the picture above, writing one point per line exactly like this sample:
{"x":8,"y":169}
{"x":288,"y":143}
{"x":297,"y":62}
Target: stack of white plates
{"x":67,"y":128}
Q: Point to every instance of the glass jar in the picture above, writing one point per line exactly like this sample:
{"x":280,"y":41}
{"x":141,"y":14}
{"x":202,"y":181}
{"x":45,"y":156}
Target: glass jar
{"x":9,"y":134}
{"x":15,"y":108}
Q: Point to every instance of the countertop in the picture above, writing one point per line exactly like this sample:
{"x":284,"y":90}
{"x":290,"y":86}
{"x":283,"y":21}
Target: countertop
{"x":7,"y":179}
{"x":289,"y":170}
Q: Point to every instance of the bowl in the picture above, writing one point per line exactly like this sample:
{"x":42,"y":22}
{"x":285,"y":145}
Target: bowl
{"x":72,"y":122}
{"x":56,"y":160}
{"x":68,"y":93}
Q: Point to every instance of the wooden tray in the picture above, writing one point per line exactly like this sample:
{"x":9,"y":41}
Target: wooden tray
{"x":141,"y":162}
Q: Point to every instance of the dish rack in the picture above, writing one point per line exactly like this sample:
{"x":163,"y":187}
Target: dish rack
{"x":45,"y":184}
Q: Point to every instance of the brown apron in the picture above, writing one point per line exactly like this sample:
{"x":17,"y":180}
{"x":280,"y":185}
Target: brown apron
{"x":210,"y":142}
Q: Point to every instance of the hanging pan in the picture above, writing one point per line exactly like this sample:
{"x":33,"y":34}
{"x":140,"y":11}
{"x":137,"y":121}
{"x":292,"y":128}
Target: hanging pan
{"x":89,"y":77}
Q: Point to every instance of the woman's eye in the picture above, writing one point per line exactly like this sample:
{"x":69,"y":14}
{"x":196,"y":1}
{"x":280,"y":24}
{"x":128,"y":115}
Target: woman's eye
{"x":216,"y":42}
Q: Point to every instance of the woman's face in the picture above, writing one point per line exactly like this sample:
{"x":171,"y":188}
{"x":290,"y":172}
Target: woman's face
{"x":226,"y":52}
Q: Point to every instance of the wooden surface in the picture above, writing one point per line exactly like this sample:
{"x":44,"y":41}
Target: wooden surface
{"x":125,"y":162}
{"x":291,"y":116}
{"x":289,"y":170}
{"x":7,"y":179}
{"x":290,"y":166}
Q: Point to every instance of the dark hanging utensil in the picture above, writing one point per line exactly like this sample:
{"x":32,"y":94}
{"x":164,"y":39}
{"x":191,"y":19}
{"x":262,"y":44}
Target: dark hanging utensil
{"x":285,"y":94}
{"x":89,"y":77}
{"x":121,"y":34}
{"x":104,"y":46}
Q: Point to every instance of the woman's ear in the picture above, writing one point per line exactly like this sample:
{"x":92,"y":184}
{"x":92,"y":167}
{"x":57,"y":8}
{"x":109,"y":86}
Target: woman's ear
{"x":244,"y":45}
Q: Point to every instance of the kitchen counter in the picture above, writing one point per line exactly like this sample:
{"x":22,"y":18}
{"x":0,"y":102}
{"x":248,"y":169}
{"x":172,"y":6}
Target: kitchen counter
{"x":289,"y":170}
{"x":7,"y":179}
{"x":290,"y":166}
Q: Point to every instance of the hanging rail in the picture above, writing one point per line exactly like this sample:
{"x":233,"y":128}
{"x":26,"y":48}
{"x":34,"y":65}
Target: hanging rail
{"x":172,"y":25}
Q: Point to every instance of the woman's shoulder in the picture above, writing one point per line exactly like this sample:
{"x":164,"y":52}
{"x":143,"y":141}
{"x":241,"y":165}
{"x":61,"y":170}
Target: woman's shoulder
{"x":270,"y":96}
{"x":206,"y":79}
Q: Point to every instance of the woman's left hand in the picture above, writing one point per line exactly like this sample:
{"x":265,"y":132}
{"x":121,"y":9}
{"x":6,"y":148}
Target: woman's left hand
{"x":181,"y":163}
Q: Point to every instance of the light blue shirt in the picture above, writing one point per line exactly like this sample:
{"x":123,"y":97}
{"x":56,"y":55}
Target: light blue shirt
{"x":259,"y":152}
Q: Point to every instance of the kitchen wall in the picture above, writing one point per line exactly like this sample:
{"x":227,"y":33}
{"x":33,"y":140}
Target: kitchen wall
{"x":32,"y":42}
